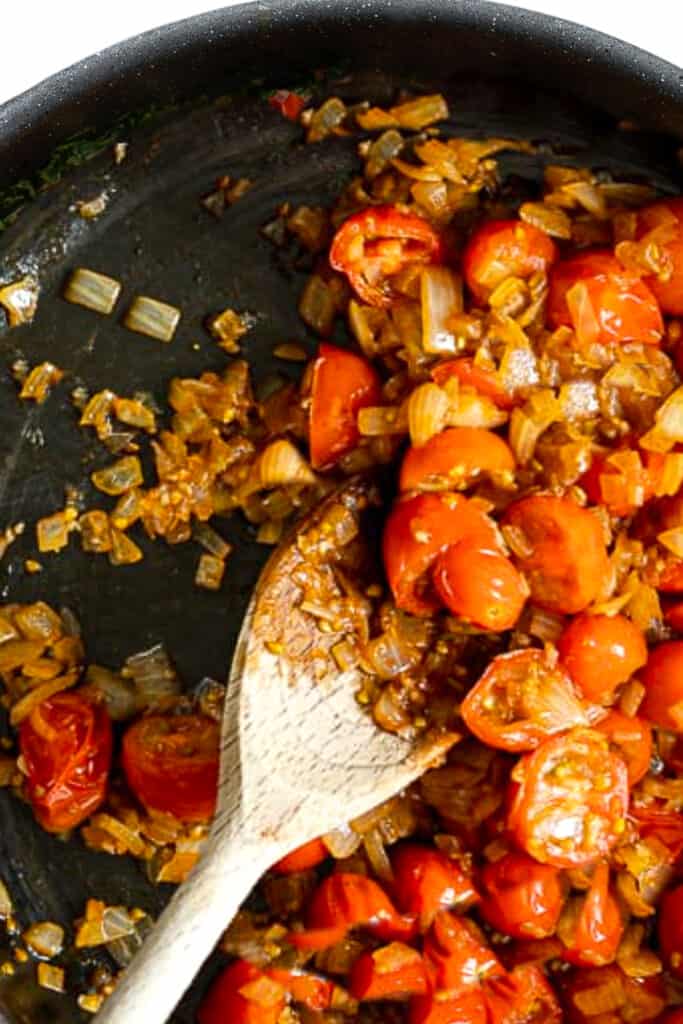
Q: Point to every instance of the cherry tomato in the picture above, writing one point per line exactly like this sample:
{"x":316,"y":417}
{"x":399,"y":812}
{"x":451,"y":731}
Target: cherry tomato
{"x":505,"y":248}
{"x":524,"y":996}
{"x":372,"y":246}
{"x":417,"y":530}
{"x":672,"y":1017}
{"x":289,"y":104}
{"x":521,"y":700}
{"x":631,"y":739}
{"x":303,"y":987}
{"x":570,"y":801}
{"x":629,"y":1001}
{"x":614,"y":305}
{"x":306,"y":857}
{"x":662,"y":678}
{"x":229,"y":999}
{"x":592,"y":925}
{"x":521,"y":897}
{"x":472,"y":376}
{"x":455,"y":457}
{"x":466,"y":1008}
{"x":427,"y":881}
{"x":670,"y":930}
{"x":567,"y":560}
{"x":171,"y":764}
{"x":670,"y":579}
{"x":457,"y":954}
{"x":394,"y":972}
{"x":66,"y":744}
{"x":342,"y":384}
{"x":480,"y":586}
{"x":600,"y":652}
{"x":674,"y":616}
{"x":668,"y":289}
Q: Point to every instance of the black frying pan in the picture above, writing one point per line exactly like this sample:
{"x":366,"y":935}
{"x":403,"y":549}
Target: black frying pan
{"x":505,"y":71}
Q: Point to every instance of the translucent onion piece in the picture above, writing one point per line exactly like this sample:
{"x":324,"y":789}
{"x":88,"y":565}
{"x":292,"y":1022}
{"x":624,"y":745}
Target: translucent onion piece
{"x":291,"y":352}
{"x":668,"y":428}
{"x":126,"y":946}
{"x":135,"y":413}
{"x":281,"y":463}
{"x":95,"y":531}
{"x":326,"y":120}
{"x":342,"y":842}
{"x":420,"y":112}
{"x":474,"y":410}
{"x":92,"y":290}
{"x":442,"y":298}
{"x":6,"y":907}
{"x":211,"y":541}
{"x":20,"y":301}
{"x":153,"y":675}
{"x":210,"y":572}
{"x":39,"y":382}
{"x":120,"y":477}
{"x":118,"y":694}
{"x":124,"y":551}
{"x":380,"y":420}
{"x":52,"y":532}
{"x":550,"y":219}
{"x":51,"y":977}
{"x":428,"y":408}
{"x":227,"y":328}
{"x":45,"y":939}
{"x":152,"y":318}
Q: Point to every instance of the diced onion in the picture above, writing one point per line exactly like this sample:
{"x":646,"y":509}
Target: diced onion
{"x":550,"y":219}
{"x":45,"y":939}
{"x":51,"y":977}
{"x":378,"y":420}
{"x":119,"y":695}
{"x":442,"y":298}
{"x":281,"y":463}
{"x":668,"y":428}
{"x":120,"y":477}
{"x":19,"y":299}
{"x":210,"y":571}
{"x":342,"y":842}
{"x":428,"y":408}
{"x":152,"y":318}
{"x":92,"y":290}
{"x":420,"y":112}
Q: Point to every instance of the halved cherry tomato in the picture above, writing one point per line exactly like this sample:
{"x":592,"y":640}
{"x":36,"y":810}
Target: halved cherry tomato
{"x":662,"y":678}
{"x":303,"y":987}
{"x":342,"y":384}
{"x":417,"y":530}
{"x":372,"y":246}
{"x":466,"y":1008}
{"x":453,"y":458}
{"x":521,"y":700}
{"x":631,"y":739}
{"x":600,"y":652}
{"x":171,"y":764}
{"x":427,"y":881}
{"x":602,"y":301}
{"x":480,"y":586}
{"x":669,"y":288}
{"x":393,"y":972}
{"x":504,"y":248}
{"x":66,"y":744}
{"x":670,"y":930}
{"x":303,"y":859}
{"x":229,"y":998}
{"x":457,"y":954}
{"x":591,"y":926}
{"x":521,"y":897}
{"x":629,"y":1001}
{"x":524,"y":996}
{"x":570,"y":800}
{"x":567,"y":560}
{"x":289,"y":104}
{"x":472,"y":376}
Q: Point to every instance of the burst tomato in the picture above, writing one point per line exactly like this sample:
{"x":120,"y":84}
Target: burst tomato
{"x":631,"y":739}
{"x":342,"y":384}
{"x":305,"y":988}
{"x":600,"y":652}
{"x":521,"y":897}
{"x":668,"y":216}
{"x":480,"y":586}
{"x":427,"y":881}
{"x":457,"y":954}
{"x":455,"y":457}
{"x":470,"y":375}
{"x":466,"y":1008}
{"x":303,"y":859}
{"x":524,"y":996}
{"x":393,"y":972}
{"x":662,"y":678}
{"x":504,"y":248}
{"x":229,"y":998}
{"x":591,"y":926}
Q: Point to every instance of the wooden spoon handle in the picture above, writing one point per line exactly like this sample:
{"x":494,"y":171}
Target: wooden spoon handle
{"x":186,"y":933}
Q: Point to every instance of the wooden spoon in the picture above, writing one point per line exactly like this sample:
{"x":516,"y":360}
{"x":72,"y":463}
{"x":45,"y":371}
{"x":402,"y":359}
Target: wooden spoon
{"x":299,"y":756}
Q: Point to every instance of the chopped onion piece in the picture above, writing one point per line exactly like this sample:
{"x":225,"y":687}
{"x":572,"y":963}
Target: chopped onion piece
{"x":442,"y":298}
{"x":428,"y":408}
{"x":378,"y":420}
{"x":550,"y":219}
{"x":120,"y":477}
{"x":668,"y":428}
{"x":124,"y":551}
{"x":95,"y":531}
{"x":227,"y":328}
{"x":211,"y":541}
{"x":210,"y":572}
{"x":19,"y":299}
{"x":39,"y":382}
{"x":6,"y":907}
{"x":45,"y":939}
{"x":153,"y":318}
{"x":92,"y":290}
{"x":281,"y":464}
{"x":119,"y":695}
{"x":420,"y":112}
{"x":26,"y":704}
{"x":153,"y":675}
{"x":53,"y":531}
{"x":51,"y":977}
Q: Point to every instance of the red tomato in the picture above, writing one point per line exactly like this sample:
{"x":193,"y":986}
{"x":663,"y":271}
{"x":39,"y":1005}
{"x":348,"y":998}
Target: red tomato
{"x":466,"y":1008}
{"x":662,"y":678}
{"x":289,"y":104}
{"x":668,"y":289}
{"x":631,"y":739}
{"x":372,"y":246}
{"x":570,"y":801}
{"x":455,"y":457}
{"x":66,"y":744}
{"x":600,"y":652}
{"x":624,"y":480}
{"x":521,"y":700}
{"x":342,"y":384}
{"x":568,"y":559}
{"x":629,"y":1001}
{"x":457,"y":954}
{"x":306,"y":857}
{"x":171,"y":764}
{"x":670,"y":930}
{"x":472,"y":376}
{"x":229,"y":999}
{"x":521,"y":897}
{"x":524,"y":996}
{"x":591,"y":927}
{"x":674,"y":616}
{"x":307,"y":989}
{"x":417,"y":530}
{"x":670,"y":580}
{"x":504,"y":248}
{"x":427,"y":881}
{"x":602,"y":301}
{"x":672,"y":1017}
{"x":480,"y":586}
{"x":393,"y":972}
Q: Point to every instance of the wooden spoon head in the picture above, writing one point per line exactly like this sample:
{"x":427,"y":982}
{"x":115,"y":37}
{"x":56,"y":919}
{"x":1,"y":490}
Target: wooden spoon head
{"x":300,"y":755}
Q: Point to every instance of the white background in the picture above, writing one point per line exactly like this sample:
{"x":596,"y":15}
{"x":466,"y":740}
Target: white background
{"x":43,"y":36}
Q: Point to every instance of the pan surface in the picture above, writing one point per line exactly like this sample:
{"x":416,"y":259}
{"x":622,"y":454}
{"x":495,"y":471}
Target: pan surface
{"x":500,"y":70}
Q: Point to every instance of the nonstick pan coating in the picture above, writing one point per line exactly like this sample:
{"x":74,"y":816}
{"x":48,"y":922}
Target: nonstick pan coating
{"x":158,"y":240}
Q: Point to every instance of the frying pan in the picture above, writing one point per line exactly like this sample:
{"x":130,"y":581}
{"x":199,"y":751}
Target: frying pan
{"x":197,"y":91}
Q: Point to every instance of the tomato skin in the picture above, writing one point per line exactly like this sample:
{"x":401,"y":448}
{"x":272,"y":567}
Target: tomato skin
{"x":624,"y":307}
{"x":480,"y":586}
{"x":374,"y":244}
{"x":521,"y":897}
{"x":368,"y":981}
{"x":548,"y":815}
{"x":472,"y":376}
{"x":457,"y":455}
{"x":466,"y":1008}
{"x":568,"y":559}
{"x":66,"y":744}
{"x":662,"y":678}
{"x":600,"y":652}
{"x":224,"y":1001}
{"x":642,"y":1001}
{"x":669,"y":293}
{"x":307,"y":989}
{"x":343,"y":383}
{"x":670,"y":930}
{"x":631,"y":739}
{"x":598,"y":929}
{"x":426,"y":881}
{"x":303,"y":859}
{"x":457,"y":954}
{"x":524,"y":996}
{"x":289,"y":104}
{"x":521,"y":700}
{"x":672,"y":1017}
{"x":415,"y":533}
{"x":171,"y":764}
{"x":521,"y":249}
